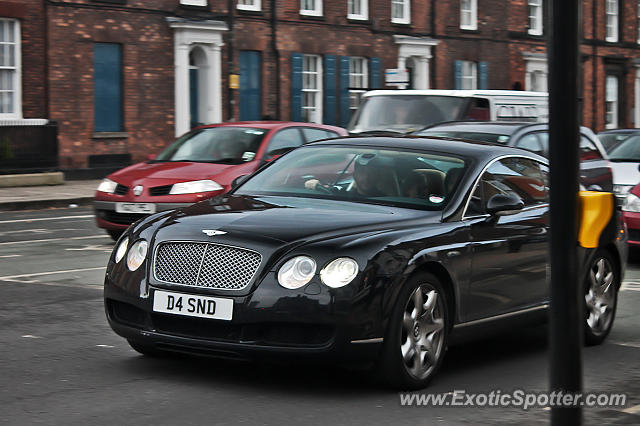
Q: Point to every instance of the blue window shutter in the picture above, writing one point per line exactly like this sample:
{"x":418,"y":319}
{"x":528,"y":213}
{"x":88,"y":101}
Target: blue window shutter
{"x":107,"y":87}
{"x":296,"y":87}
{"x":375,"y":73}
{"x":457,"y":75}
{"x":330,"y":107}
{"x":250,"y":87}
{"x":344,"y":91}
{"x":483,"y":77}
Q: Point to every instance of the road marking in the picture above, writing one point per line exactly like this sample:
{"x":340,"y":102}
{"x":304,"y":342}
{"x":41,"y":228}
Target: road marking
{"x":105,"y":346}
{"x":4,"y":256}
{"x":627,"y":344}
{"x":630,"y":286}
{"x":87,"y":237}
{"x":13,"y":277}
{"x":30,"y":336}
{"x":632,"y":410}
{"x":93,"y":247}
{"x":47,"y":218}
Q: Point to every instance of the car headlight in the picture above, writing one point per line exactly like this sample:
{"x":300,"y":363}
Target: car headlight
{"x":339,"y":272}
{"x":296,"y":272}
{"x":108,"y":186}
{"x":195,"y":186}
{"x":137,"y":254}
{"x":631,"y":204}
{"x":121,"y":250}
{"x":621,"y":190}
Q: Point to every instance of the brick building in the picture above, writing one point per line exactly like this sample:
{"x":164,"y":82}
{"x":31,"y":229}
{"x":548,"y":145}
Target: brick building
{"x":123,"y":78}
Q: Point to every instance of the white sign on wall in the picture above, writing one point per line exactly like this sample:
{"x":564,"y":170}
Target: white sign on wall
{"x":396,"y":77}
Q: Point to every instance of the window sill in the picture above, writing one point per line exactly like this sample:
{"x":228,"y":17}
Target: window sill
{"x":469,"y":30}
{"x":312,"y":17}
{"x":250,"y":12}
{"x":110,"y":135}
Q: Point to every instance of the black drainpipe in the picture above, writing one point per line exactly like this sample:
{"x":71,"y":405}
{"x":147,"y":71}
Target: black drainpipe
{"x":276,"y":54}
{"x":594,"y":78}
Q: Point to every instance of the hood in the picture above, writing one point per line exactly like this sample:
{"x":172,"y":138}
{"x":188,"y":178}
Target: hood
{"x":285,"y":220}
{"x":625,"y":173}
{"x":168,"y":172}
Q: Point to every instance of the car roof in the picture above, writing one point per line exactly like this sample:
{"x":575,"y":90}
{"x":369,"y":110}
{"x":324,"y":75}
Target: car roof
{"x":452,"y":146}
{"x":269,"y":125}
{"x":619,"y":131}
{"x":497,"y":127}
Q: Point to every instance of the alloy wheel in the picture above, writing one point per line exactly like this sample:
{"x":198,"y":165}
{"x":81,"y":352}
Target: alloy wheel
{"x":600,"y":296}
{"x":422,"y":333}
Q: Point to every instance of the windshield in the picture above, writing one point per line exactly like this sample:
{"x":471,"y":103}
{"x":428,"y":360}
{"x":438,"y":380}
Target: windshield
{"x":474,"y":136}
{"x":628,"y":150}
{"x":405,"y":113}
{"x":612,"y":140}
{"x":230,"y":145}
{"x":422,"y":180}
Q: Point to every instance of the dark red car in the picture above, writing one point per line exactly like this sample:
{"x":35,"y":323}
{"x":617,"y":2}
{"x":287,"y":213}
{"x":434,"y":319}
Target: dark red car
{"x":631,"y":215}
{"x":199,"y":165}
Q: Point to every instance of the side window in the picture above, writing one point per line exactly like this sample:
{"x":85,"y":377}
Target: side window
{"x":283,"y":141}
{"x":588,"y":150}
{"x":530,"y":142}
{"x":312,"y":134}
{"x":525,"y":178}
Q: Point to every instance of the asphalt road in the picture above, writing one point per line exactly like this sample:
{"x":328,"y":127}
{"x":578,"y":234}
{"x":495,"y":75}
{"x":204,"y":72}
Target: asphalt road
{"x":60,"y":363}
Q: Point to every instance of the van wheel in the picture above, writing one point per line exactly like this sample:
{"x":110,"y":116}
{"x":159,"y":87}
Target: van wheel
{"x":417,"y":334}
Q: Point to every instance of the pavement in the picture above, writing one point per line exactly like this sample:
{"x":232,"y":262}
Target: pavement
{"x":80,"y":192}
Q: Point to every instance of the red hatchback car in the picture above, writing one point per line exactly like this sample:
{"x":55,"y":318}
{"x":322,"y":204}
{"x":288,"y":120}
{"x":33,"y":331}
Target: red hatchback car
{"x":199,"y":165}
{"x":631,"y":215}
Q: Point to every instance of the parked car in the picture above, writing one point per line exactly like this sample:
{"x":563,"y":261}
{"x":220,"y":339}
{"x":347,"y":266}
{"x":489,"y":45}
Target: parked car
{"x":201,"y":164}
{"x":631,"y":215}
{"x":595,"y":170}
{"x":355,"y":249}
{"x":405,"y":111}
{"x":625,"y":163}
{"x":612,"y":138}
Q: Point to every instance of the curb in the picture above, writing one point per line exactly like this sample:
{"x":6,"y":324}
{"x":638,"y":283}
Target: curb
{"x":31,"y":179}
{"x":45,"y":203}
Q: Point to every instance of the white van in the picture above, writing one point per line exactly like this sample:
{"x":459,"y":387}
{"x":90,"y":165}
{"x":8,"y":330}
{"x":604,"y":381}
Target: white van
{"x":405,"y":111}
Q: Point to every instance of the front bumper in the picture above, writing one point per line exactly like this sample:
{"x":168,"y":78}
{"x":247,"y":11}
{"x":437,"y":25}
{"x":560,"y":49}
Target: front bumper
{"x":633,"y":227}
{"x":268,"y":322}
{"x":108,"y":218}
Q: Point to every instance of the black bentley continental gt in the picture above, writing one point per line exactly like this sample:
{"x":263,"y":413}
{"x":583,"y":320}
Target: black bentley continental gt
{"x":354,"y":249}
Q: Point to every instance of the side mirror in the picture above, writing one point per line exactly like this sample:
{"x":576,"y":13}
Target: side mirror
{"x":504,"y":203}
{"x":238,"y":181}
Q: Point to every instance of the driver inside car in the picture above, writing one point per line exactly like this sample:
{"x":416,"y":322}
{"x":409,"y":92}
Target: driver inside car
{"x":368,"y":179}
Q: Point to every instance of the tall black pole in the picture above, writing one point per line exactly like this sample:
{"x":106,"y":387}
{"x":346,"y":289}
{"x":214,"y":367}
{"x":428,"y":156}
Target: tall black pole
{"x":566,"y":319}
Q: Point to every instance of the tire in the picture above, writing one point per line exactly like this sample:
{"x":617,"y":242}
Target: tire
{"x":115,"y":233}
{"x":414,"y":349}
{"x":601,"y":297}
{"x":146,"y":350}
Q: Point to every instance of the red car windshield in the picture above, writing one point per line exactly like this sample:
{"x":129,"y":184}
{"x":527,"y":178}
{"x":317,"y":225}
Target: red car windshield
{"x":229,"y":145}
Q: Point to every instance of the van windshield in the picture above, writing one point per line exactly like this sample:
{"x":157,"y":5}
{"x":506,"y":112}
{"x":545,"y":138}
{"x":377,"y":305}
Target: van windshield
{"x":405,"y":113}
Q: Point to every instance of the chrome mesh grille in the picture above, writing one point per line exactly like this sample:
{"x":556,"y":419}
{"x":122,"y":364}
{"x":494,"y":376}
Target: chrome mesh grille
{"x":205,"y":265}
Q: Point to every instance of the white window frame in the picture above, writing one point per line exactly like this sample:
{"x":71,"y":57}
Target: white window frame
{"x":194,"y":2}
{"x":254,"y":5}
{"x":535,"y":12}
{"x":469,"y":79}
{"x":364,"y":9}
{"x":472,"y":12}
{"x":316,"y":115}
{"x":316,"y":11}
{"x":612,"y":16}
{"x":357,"y":90}
{"x":611,"y":101}
{"x":638,"y":20}
{"x":16,"y":79}
{"x":406,"y":12}
{"x":536,"y":66}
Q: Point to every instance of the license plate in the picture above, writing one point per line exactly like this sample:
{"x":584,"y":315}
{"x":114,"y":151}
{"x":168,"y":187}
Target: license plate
{"x":135,"y":208}
{"x":191,"y":305}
